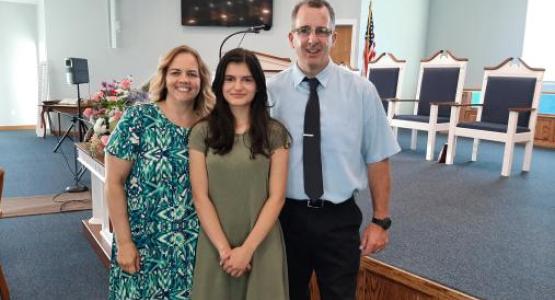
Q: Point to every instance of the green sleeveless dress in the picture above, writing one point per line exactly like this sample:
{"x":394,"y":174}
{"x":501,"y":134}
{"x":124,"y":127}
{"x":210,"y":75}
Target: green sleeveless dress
{"x":163,"y":221}
{"x":238,"y":188}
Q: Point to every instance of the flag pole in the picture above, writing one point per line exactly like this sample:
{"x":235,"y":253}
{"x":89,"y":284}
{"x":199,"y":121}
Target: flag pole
{"x":369,"y":43}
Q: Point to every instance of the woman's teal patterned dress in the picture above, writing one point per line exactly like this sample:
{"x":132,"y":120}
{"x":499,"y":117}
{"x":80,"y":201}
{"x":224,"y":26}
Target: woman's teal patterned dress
{"x":163,"y":221}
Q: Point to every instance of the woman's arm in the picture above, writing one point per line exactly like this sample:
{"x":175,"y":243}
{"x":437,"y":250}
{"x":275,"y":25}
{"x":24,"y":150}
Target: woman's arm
{"x":241,"y":256}
{"x":117,"y":171}
{"x":205,"y":209}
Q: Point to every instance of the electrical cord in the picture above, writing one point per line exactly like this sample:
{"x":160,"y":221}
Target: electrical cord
{"x":241,"y":41}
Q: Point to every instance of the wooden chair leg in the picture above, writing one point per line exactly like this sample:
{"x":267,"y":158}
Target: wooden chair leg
{"x":475,"y":145}
{"x":1,"y":188}
{"x":430,"y":147}
{"x":507,"y":158}
{"x":4,"y":291}
{"x":527,"y":161}
{"x":509,"y":144}
{"x":413,"y":134}
{"x":451,"y":148}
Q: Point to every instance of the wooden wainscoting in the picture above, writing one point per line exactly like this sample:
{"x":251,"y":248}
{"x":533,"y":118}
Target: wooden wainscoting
{"x":467,"y":114}
{"x":378,"y":280}
{"x":545,"y":131}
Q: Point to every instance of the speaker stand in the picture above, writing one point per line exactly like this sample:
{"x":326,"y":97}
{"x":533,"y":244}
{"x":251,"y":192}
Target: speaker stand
{"x":77,"y":172}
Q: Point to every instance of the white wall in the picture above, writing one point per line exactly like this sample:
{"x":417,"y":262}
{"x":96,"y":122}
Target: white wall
{"x":79,"y":28}
{"x":18,"y":63}
{"x":484,"y":31}
{"x":149,"y":28}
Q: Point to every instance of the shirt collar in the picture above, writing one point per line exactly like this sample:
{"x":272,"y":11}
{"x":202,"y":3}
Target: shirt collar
{"x":323,"y":77}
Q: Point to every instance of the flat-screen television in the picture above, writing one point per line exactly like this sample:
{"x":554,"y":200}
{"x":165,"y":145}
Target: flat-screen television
{"x":240,"y":13}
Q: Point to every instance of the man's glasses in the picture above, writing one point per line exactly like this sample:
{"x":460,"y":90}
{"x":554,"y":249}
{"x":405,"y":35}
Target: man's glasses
{"x":306,"y":31}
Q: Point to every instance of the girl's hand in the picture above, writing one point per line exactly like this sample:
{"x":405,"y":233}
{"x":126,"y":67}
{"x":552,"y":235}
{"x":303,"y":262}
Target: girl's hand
{"x":224,"y":255}
{"x":128,"y":257}
{"x":238,"y":262}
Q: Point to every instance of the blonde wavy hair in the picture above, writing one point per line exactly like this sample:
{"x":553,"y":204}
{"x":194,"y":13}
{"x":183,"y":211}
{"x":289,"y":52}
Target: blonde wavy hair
{"x":204,"y":102}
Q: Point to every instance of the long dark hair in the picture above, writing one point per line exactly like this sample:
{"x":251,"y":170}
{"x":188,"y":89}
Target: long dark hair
{"x":221,"y":122}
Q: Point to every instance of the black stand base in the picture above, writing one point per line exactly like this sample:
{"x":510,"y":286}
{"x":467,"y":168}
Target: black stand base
{"x":442,"y":154}
{"x":76,"y":188}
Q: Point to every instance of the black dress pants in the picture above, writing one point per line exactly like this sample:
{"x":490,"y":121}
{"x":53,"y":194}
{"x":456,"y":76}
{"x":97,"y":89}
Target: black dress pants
{"x":325,"y":240}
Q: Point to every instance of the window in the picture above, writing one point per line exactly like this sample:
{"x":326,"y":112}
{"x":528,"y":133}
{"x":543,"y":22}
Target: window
{"x":539,"y":45}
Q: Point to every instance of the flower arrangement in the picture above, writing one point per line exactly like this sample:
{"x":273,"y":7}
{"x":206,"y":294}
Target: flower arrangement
{"x":107,"y":107}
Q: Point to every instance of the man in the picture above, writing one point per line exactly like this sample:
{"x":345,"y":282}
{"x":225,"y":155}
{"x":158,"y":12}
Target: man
{"x":334,"y":154}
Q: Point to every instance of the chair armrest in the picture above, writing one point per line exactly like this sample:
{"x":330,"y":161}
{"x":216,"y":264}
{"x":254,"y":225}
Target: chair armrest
{"x":467,"y":104}
{"x":399,"y":100}
{"x":443,"y":103}
{"x":521,"y":109}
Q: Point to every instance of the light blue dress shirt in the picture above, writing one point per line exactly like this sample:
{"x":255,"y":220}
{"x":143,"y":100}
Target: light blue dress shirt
{"x":354,"y":128}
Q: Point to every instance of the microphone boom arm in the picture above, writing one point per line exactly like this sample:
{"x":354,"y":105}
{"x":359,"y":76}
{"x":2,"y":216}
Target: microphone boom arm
{"x":249,"y":30}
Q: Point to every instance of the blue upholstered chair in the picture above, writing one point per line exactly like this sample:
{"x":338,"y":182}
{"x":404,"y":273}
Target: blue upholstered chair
{"x":507,"y":112}
{"x":386,"y":72}
{"x":440,"y":83}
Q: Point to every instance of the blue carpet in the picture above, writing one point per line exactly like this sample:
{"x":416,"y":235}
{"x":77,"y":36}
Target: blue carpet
{"x":48,"y":257}
{"x":31,"y":166}
{"x":470,"y":229}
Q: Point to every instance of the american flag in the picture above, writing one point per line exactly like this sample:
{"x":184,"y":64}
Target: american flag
{"x":369,"y":42}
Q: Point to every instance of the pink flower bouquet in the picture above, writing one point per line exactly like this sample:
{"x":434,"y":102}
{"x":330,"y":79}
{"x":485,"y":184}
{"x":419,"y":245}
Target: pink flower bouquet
{"x":107,"y":107}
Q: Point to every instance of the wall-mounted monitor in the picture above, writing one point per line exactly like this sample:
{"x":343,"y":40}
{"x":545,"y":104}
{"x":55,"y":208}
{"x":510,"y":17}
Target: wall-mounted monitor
{"x":240,"y":13}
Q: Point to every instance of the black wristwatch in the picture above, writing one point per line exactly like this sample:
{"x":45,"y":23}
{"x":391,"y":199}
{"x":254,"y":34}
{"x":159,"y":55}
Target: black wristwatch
{"x":383,"y":223}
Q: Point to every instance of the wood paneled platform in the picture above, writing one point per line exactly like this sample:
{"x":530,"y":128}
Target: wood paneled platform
{"x":380,"y":281}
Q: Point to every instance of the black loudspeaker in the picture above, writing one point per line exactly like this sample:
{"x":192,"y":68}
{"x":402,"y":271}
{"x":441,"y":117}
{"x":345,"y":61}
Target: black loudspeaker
{"x":77,"y":70}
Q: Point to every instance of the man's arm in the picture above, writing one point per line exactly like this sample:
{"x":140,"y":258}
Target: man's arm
{"x":374,"y":238}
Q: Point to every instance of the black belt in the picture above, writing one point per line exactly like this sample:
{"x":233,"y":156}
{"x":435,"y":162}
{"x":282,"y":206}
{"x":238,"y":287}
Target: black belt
{"x":317,"y":203}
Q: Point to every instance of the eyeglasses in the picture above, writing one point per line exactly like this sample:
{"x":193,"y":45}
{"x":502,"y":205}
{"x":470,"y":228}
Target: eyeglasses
{"x":306,"y":31}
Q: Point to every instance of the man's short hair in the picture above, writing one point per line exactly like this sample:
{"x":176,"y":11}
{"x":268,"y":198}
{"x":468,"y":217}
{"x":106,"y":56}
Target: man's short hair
{"x":314,"y":4}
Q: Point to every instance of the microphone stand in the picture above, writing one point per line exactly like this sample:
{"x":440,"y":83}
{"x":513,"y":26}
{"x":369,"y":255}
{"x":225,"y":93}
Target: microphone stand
{"x":245,"y":31}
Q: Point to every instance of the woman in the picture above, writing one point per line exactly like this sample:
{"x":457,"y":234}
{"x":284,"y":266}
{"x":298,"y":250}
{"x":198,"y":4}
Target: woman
{"x":147,"y":183}
{"x":238,"y":175}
